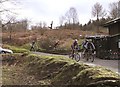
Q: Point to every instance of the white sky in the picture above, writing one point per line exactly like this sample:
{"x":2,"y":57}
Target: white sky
{"x":51,"y":10}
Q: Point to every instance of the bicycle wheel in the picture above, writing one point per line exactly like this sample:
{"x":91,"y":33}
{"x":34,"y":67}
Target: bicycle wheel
{"x":91,"y":58}
{"x":77,"y":57}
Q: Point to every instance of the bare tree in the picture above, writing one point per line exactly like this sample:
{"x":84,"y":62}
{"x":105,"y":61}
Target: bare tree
{"x":44,"y":25}
{"x":61,"y":20}
{"x":3,"y":9}
{"x":98,"y":11}
{"x":22,"y":25}
{"x":67,"y":17}
{"x":113,"y":10}
{"x":9,"y":26}
{"x":40,"y":25}
{"x":72,"y":16}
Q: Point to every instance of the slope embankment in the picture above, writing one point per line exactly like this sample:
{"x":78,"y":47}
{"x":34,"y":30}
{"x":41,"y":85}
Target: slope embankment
{"x":32,"y":69}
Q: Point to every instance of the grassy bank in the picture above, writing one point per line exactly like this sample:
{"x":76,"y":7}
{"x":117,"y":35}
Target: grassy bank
{"x":31,"y":69}
{"x":16,"y":49}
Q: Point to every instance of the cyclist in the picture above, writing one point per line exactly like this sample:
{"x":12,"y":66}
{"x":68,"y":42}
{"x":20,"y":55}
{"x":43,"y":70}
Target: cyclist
{"x":91,"y":46}
{"x":74,"y":46}
{"x":84,"y":46}
{"x":56,"y":44}
{"x":89,"y":50}
{"x":32,"y":46}
{"x":88,"y":46}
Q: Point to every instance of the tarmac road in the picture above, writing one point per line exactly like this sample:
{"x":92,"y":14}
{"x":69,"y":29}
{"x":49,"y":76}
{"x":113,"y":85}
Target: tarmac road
{"x":113,"y":65}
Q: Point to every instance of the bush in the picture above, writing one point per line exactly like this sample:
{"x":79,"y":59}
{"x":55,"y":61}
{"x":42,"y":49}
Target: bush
{"x":26,"y":46}
{"x":46,"y":43}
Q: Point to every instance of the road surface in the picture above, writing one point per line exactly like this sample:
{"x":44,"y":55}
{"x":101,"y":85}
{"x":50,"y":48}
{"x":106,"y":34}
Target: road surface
{"x":113,"y":65}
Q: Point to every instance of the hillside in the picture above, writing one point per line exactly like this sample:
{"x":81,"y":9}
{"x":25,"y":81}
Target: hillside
{"x":21,"y":38}
{"x":46,"y":38}
{"x":31,"y":69}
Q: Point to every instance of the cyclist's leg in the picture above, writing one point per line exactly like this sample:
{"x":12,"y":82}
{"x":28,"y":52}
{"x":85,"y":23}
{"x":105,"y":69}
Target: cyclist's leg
{"x":72,"y":53}
{"x":83,"y":53}
{"x":90,"y":56}
{"x":94,"y":55}
{"x":76,"y":55}
{"x":86,"y":55}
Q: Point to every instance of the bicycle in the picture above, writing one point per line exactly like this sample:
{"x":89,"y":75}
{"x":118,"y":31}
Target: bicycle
{"x":75,"y":56}
{"x":89,"y":56}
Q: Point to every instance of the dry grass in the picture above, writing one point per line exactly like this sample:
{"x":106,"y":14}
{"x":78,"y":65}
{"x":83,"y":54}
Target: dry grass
{"x":64,"y":35}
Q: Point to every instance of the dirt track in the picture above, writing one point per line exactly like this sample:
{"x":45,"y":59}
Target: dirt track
{"x":113,"y":65}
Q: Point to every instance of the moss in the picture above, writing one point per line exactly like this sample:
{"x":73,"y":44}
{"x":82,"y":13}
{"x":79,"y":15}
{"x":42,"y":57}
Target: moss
{"x":59,"y":70}
{"x":94,"y":74}
{"x":44,"y":66}
{"x":67,"y":73}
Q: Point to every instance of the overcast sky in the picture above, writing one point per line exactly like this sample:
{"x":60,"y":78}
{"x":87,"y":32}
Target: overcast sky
{"x":51,"y":10}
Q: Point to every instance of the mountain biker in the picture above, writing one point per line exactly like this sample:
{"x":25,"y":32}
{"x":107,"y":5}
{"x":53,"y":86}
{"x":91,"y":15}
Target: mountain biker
{"x":84,"y":44}
{"x":32,"y":46}
{"x":74,"y":46}
{"x":87,"y":46}
{"x":56,"y":44}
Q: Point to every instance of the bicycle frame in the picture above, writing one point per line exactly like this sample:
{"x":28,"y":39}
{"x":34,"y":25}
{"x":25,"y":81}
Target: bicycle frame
{"x":75,"y":56}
